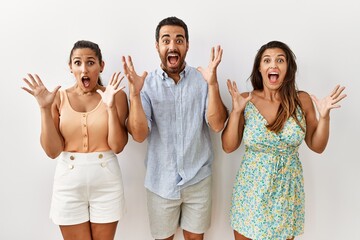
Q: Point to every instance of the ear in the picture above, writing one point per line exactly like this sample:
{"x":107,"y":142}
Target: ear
{"x":102,"y":65}
{"x":157,"y":45}
{"x":187,"y":46}
{"x":70,"y":68}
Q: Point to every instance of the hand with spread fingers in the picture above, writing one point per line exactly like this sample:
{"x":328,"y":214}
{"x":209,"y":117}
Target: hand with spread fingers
{"x":112,"y":88}
{"x":209,"y":73}
{"x":136,"y":82}
{"x":238,"y":101}
{"x":329,"y":102}
{"x":39,"y":91}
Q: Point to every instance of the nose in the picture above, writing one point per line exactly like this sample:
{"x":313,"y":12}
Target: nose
{"x":273,"y":65}
{"x":172,"y":45}
{"x":84,"y":68}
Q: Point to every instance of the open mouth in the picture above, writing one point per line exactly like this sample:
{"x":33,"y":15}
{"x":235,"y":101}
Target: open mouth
{"x":86,"y":81}
{"x":273,"y":77}
{"x":173,"y":58}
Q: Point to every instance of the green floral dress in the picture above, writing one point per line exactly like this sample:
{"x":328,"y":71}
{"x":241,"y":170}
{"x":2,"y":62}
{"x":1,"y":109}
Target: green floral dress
{"x":268,"y":196}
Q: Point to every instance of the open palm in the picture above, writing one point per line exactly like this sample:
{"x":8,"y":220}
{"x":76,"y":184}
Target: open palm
{"x":238,"y":101}
{"x":329,"y":102}
{"x":36,"y":88}
{"x":136,"y":82}
{"x":111,"y":89}
{"x":209,"y":73}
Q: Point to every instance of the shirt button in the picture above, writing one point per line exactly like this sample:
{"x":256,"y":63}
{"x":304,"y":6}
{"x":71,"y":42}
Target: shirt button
{"x":72,"y":157}
{"x":71,"y":166}
{"x":101,"y":156}
{"x":103,"y":164}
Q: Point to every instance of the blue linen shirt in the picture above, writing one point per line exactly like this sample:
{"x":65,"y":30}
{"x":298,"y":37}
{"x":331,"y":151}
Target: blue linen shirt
{"x":179,"y":150}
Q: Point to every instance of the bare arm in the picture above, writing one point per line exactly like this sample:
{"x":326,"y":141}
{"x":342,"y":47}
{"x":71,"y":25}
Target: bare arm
{"x":137,"y":124}
{"x":232,"y":135}
{"x":51,"y":139}
{"x":317,"y":130}
{"x":216,"y":112}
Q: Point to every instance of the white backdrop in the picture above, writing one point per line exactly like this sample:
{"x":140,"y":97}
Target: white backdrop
{"x":37,"y":35}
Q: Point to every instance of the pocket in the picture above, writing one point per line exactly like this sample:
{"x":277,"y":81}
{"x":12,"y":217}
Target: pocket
{"x":62,"y":170}
{"x":112,"y":168}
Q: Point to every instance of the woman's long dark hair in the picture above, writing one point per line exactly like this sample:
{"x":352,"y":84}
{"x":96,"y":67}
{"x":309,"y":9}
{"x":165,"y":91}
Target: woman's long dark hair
{"x":288,"y":91}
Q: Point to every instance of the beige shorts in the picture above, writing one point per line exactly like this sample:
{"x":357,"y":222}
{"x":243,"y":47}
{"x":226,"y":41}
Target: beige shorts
{"x":87,"y":187}
{"x":192,"y":212}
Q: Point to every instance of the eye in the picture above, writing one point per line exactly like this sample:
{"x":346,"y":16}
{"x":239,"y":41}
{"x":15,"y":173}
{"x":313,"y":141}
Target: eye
{"x":266,"y":60}
{"x":166,"y":41}
{"x":280,"y":60}
{"x":179,"y":41}
{"x":77,"y":62}
{"x":90,"y":63}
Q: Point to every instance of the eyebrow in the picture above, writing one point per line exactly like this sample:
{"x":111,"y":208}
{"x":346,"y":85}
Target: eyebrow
{"x":86,"y":58}
{"x":177,"y":36}
{"x":279,"y":55}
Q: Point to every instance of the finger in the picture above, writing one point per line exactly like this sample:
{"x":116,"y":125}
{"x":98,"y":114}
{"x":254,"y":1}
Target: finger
{"x":314,"y":98}
{"x":143,"y":76}
{"x":119,"y":89}
{"x":200,"y":69}
{"x":131,"y":65}
{"x":28,"y":90}
{"x":35,"y":84}
{"x":249,"y":97}
{"x":56,"y":89}
{"x":38,"y":80}
{"x":333,"y":92}
{"x":112,"y":78}
{"x":118,"y":81}
{"x":235,"y":86}
{"x":212,"y":54}
{"x":219,"y":54}
{"x":28,"y":83}
{"x":229,"y":86}
{"x":125,"y":66}
{"x":100,"y":92}
{"x":339,"y":98}
{"x":338,"y":92}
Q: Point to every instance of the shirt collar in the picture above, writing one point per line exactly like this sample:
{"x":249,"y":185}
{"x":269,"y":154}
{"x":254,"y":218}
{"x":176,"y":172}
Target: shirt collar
{"x":183,"y":73}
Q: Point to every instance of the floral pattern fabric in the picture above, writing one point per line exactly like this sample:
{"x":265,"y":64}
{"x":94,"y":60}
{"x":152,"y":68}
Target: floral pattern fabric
{"x":268,"y":201}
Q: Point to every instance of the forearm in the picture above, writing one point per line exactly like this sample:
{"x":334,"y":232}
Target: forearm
{"x":50,"y":138}
{"x":233,"y":132}
{"x":216,"y":112}
{"x":117,"y":132}
{"x":320,"y":136}
{"x":137,"y":122}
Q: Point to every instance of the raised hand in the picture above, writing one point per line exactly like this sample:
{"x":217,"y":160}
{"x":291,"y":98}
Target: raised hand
{"x":136,"y":82}
{"x":329,"y":102}
{"x":238,"y":101}
{"x":209,"y":73}
{"x":36,"y":88}
{"x":111,"y":89}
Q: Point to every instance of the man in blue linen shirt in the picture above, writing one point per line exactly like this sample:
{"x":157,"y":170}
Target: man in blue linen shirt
{"x":173,"y":107}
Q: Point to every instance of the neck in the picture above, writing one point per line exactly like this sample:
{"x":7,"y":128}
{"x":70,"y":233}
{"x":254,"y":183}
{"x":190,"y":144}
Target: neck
{"x":80,"y":92}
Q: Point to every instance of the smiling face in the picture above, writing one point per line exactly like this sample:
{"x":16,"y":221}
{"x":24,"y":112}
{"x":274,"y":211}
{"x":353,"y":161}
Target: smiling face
{"x":86,"y":68}
{"x":273,"y":68}
{"x":172,"y":47}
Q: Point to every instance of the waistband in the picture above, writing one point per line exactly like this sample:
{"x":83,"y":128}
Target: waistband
{"x":87,"y":158}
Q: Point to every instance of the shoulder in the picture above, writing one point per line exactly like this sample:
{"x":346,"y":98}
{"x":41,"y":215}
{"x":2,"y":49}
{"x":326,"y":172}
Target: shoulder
{"x":306,"y":101}
{"x":304,"y":97}
{"x":121,"y":96}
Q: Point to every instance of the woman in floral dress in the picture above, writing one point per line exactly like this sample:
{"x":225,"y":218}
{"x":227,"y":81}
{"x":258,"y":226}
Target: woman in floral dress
{"x":273,"y":120}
